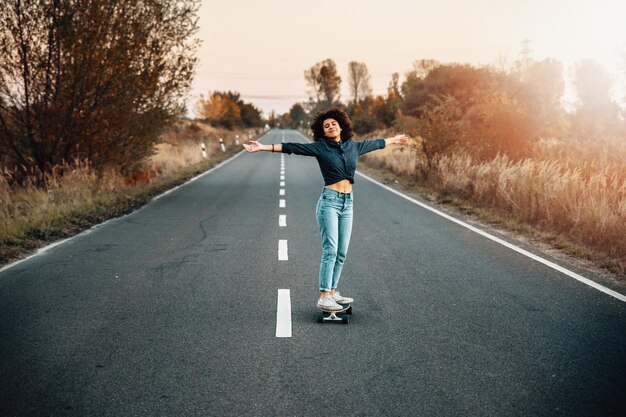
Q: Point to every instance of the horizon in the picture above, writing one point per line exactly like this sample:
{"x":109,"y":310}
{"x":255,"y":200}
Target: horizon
{"x":261,"y":50}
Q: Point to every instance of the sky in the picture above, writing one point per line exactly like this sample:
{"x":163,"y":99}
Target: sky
{"x":261,"y":48}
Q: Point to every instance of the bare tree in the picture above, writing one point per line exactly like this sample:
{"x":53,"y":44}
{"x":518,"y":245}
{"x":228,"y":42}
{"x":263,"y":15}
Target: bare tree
{"x":324,"y":81}
{"x":312,"y":78}
{"x":393,"y":90}
{"x":359,"y":80}
{"x":422,"y":67}
{"x":94,"y":79}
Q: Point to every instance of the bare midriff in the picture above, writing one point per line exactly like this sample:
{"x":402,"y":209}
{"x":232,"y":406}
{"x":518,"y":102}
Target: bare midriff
{"x":343,"y":186}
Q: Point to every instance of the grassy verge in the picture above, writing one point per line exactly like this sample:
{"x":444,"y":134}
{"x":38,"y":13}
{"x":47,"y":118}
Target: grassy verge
{"x":31,"y":217}
{"x":575,"y":206}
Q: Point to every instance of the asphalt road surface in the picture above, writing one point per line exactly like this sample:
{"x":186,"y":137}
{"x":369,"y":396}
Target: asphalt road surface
{"x":172,"y":311}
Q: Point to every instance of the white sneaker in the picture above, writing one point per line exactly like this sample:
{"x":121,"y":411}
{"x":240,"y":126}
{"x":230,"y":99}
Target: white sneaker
{"x":327,"y":303}
{"x":341,"y":299}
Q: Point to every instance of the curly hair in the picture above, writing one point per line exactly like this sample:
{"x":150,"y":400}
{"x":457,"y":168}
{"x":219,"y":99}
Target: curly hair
{"x":317,"y":125}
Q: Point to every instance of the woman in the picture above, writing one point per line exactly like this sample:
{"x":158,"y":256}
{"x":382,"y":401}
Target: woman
{"x":337,"y":156}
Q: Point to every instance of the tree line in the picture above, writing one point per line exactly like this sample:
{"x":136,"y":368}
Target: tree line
{"x":482,"y":110}
{"x":98,"y":80}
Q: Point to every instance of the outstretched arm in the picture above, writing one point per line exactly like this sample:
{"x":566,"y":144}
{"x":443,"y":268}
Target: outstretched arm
{"x":306,"y":149}
{"x":397,"y":140}
{"x":255,"y":146}
{"x":374,"y":144}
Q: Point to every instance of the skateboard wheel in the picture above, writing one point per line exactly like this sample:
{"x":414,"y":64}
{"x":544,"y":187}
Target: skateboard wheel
{"x":320,"y":318}
{"x":345,"y":318}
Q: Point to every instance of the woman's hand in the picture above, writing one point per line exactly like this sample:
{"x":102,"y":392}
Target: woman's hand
{"x":398,"y":140}
{"x":253,"y":146}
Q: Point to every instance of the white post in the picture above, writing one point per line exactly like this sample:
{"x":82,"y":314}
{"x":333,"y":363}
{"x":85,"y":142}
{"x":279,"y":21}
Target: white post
{"x":222,"y":145}
{"x":236,"y":139}
{"x":203,"y":150}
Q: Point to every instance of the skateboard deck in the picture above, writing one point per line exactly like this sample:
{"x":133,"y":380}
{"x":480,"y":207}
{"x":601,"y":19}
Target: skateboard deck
{"x":341,"y":316}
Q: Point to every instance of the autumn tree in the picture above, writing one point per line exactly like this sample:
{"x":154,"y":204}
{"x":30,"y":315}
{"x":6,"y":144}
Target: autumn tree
{"x":91,"y":79}
{"x":359,"y":80}
{"x":456,"y":80}
{"x":219,"y":109}
{"x":250,"y":115}
{"x":298,"y":115}
{"x":476,"y":109}
{"x":371,"y":113}
{"x":414,"y":89}
{"x":227,"y":109}
{"x":540,"y":86}
{"x":361,"y":115}
{"x":441,"y":126}
{"x":498,"y":123}
{"x":285,"y":121}
{"x":324,"y":82}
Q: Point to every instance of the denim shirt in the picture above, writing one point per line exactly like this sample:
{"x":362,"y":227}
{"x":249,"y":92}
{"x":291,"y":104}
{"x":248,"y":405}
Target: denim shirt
{"x":337,"y":160}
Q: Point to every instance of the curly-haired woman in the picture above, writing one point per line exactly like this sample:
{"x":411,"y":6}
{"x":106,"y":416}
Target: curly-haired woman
{"x":337,"y":156}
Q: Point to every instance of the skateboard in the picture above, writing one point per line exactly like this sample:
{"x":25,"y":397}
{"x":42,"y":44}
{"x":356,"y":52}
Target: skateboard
{"x":342,"y":315}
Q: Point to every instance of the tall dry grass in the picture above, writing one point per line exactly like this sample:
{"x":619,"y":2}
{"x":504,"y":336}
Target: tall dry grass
{"x":575,"y":190}
{"x":180,"y":144}
{"x":35,"y":210}
{"x":76,"y":195}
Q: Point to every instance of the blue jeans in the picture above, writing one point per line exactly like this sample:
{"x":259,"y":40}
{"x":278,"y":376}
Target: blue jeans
{"x":334,"y":218}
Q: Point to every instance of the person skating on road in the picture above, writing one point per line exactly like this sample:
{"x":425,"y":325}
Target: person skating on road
{"x":337,"y":155}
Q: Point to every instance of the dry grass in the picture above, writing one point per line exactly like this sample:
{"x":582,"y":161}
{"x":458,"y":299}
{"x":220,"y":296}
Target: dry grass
{"x":31,"y":208}
{"x":181,"y":144}
{"x":566,"y":190}
{"x":81,"y":196}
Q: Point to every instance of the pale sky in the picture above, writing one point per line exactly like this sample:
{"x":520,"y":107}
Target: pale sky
{"x":261,"y":48}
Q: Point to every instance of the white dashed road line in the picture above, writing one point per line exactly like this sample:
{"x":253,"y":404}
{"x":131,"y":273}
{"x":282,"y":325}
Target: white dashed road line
{"x":283,"y":306}
{"x":283,"y":252}
{"x":283,"y":313}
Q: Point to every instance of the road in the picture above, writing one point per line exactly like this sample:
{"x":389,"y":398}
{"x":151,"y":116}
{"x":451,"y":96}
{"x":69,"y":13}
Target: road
{"x":172,"y":311}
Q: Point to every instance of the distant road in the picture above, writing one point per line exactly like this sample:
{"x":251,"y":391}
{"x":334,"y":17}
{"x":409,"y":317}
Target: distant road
{"x":172,"y":311}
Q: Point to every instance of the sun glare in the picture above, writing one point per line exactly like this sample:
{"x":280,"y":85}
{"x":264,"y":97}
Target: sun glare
{"x":597,"y":31}
{"x":586,"y":30}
